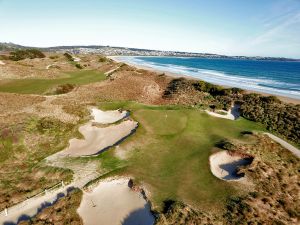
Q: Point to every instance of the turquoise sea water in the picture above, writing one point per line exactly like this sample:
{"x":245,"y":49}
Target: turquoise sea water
{"x":273,"y":77}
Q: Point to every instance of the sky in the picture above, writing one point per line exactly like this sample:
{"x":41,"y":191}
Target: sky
{"x":230,"y":27}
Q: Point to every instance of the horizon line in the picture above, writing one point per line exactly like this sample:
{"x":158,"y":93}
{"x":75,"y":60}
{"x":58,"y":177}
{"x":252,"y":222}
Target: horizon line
{"x":148,"y":49}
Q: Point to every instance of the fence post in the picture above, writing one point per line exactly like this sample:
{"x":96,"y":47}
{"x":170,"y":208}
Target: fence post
{"x":62,"y":184}
{"x":5,"y":211}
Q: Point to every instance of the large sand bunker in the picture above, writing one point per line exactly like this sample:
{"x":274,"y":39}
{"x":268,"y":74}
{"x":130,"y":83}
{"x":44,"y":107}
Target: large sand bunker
{"x":107,"y":117}
{"x":112,"y":203}
{"x":225,"y":164}
{"x":99,"y":139}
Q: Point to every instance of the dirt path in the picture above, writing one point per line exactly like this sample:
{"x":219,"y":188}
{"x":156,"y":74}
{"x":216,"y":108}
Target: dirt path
{"x":285,"y":144}
{"x":110,"y":72}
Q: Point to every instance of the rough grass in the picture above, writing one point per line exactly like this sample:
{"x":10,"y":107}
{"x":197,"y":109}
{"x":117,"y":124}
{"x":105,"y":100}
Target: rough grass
{"x":22,"y":151}
{"x":173,"y":158}
{"x":40,"y":86}
{"x":62,"y":212}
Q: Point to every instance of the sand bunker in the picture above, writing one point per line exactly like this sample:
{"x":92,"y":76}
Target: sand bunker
{"x":112,"y":203}
{"x":225,"y":164}
{"x":107,"y":117}
{"x":99,"y":139}
{"x":232,"y":114}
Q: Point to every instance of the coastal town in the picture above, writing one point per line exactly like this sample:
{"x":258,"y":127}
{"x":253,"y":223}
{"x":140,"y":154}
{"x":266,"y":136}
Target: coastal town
{"x":124,"y":51}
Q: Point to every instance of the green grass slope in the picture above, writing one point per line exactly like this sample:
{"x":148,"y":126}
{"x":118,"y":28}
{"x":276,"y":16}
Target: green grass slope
{"x":40,"y":86}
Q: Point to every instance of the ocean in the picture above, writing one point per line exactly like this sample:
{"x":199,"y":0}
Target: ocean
{"x":273,"y":77}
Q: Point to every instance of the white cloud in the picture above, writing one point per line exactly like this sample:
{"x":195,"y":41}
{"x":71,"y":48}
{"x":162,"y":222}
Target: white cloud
{"x":278,"y":30}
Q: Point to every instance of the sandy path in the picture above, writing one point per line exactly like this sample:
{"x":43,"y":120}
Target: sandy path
{"x":224,"y":165}
{"x":30,"y":207}
{"x":232,"y":114}
{"x":285,"y":144}
{"x":111,"y":71}
{"x":113,"y":203}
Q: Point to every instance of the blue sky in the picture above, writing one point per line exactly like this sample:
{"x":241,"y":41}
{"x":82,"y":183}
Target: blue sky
{"x":232,"y":27}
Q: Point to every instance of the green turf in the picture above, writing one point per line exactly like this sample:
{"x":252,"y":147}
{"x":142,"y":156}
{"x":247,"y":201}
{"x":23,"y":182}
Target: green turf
{"x":40,"y":86}
{"x":173,"y":158}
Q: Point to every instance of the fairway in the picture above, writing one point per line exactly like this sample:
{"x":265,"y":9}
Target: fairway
{"x":40,"y":86}
{"x":173,"y":156}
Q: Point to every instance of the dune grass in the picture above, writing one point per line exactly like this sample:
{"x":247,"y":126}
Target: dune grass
{"x":40,"y":86}
{"x":173,"y":158}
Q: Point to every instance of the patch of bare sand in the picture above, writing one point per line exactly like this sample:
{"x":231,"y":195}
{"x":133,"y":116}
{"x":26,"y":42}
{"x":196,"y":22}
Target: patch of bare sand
{"x":98,"y":139}
{"x":232,"y":114}
{"x":112,"y":202}
{"x":107,"y":117}
{"x":224,"y":165}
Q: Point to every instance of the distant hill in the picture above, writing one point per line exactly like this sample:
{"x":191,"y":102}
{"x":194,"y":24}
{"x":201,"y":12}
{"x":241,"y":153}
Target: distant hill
{"x":121,"y":51}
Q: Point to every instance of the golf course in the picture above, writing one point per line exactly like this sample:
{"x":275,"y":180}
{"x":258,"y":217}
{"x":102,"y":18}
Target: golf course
{"x":170,"y":151}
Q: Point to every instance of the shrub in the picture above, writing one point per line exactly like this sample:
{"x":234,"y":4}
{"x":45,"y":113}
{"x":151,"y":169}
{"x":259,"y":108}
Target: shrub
{"x":69,"y":57}
{"x":78,"y":66}
{"x":275,"y":115}
{"x":64,"y":88}
{"x":225,"y":144}
{"x":102,"y":59}
{"x":26,"y":54}
{"x":4,"y":57}
{"x":54,"y":57}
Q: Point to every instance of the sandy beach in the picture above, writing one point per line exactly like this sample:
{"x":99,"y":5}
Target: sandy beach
{"x":117,"y":59}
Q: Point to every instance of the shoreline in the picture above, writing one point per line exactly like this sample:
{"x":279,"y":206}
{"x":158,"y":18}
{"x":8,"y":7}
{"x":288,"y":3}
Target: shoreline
{"x":177,"y":75}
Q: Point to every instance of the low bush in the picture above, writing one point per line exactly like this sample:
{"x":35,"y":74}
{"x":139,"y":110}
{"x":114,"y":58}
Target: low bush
{"x":69,"y":57}
{"x":64,"y":88}
{"x":275,"y":115}
{"x":26,"y":54}
{"x":78,"y":66}
{"x":102,"y":59}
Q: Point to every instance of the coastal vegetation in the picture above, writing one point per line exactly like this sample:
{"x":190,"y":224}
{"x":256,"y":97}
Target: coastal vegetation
{"x":26,"y":54}
{"x":62,"y":212}
{"x":276,"y":116}
{"x":168,"y":155}
{"x":24,"y":174}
